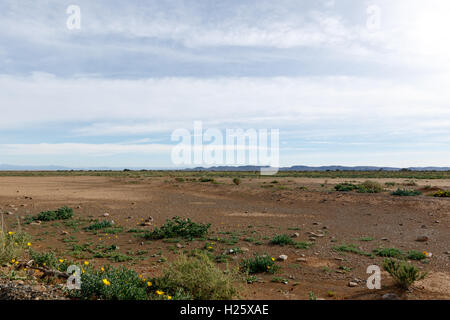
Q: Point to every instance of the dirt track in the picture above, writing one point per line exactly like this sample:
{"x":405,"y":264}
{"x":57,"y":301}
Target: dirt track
{"x":258,"y":213}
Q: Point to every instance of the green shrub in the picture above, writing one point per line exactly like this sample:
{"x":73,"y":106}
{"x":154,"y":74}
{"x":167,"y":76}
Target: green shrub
{"x":282,"y":240}
{"x":49,"y":260}
{"x":403,"y":273}
{"x":237,"y":181}
{"x":406,"y":193}
{"x":353,"y":248}
{"x":388,"y":252}
{"x":12,"y":245}
{"x":303,"y":245}
{"x":207,"y":180}
{"x":442,"y":194}
{"x":416,"y":255}
{"x":259,"y":263}
{"x":63,"y":213}
{"x":370,"y":187}
{"x":197,"y":276}
{"x":179,"y":179}
{"x":112,"y":284}
{"x":177,"y":227}
{"x":99,"y":225}
{"x":344,"y":187}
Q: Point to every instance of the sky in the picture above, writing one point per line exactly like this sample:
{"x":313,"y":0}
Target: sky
{"x":346,"y":82}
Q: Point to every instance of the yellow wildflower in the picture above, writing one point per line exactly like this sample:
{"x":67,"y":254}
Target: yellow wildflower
{"x":159,"y":292}
{"x":106,"y":282}
{"x":149,"y":284}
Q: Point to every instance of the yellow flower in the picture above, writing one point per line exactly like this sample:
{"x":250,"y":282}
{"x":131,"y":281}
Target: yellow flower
{"x":159,"y":292}
{"x":209,"y":247}
{"x":11,"y":233}
{"x":106,"y":282}
{"x":86,"y":263}
{"x":140,"y":276}
{"x":17,"y":262}
{"x":149,"y":284}
{"x":103,"y":269}
{"x":169,"y":297}
{"x":82,"y":270}
{"x":61,"y":260}
{"x":13,"y":260}
{"x":44,"y":264}
{"x":29,"y":244}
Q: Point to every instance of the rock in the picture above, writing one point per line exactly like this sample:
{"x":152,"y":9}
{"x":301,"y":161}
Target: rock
{"x":437,"y":221}
{"x":339,"y":259}
{"x":316,"y":223}
{"x":106,"y":214}
{"x":64,"y":233}
{"x":9,"y":213}
{"x":282,"y":257}
{"x":295,"y":235}
{"x":423,"y":226}
{"x":245,"y":249}
{"x":78,"y":207}
{"x":301,"y":260}
{"x":447,"y":252}
{"x":390,"y":296}
{"x":179,"y":246}
{"x":385,"y":239}
{"x":352,"y":284}
{"x":422,"y":238}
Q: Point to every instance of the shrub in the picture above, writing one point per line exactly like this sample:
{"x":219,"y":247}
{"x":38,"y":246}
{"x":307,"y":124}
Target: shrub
{"x":370,"y":187}
{"x":197,"y":276}
{"x":177,"y":227}
{"x":99,"y":225}
{"x":388,"y":252}
{"x":416,"y":255}
{"x":281,"y":240}
{"x":406,"y":193}
{"x":207,"y":180}
{"x":12,"y":245}
{"x":258,"y":264}
{"x":351,"y":248}
{"x":112,"y":284}
{"x":303,"y":245}
{"x":441,"y":194}
{"x":403,"y":273}
{"x":49,"y":260}
{"x":63,"y":213}
{"x":344,"y":187}
{"x":237,"y":181}
{"x":179,"y":179}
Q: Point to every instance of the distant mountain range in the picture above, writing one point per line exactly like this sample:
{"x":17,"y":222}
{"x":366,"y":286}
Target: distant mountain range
{"x":8,"y":167}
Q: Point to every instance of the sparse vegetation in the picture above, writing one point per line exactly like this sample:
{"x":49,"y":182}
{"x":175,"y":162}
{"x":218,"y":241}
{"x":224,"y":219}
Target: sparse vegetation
{"x":282,"y":240}
{"x":237,"y":181}
{"x":99,"y":225}
{"x":370,"y":187}
{"x":259,"y":264}
{"x":178,"y":227}
{"x":442,"y":194}
{"x":388,"y":252}
{"x":12,"y":245}
{"x":406,"y":193}
{"x":404,"y":274}
{"x":63,"y":213}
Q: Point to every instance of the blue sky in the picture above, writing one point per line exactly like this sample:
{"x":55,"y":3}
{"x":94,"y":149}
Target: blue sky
{"x":340,"y":89}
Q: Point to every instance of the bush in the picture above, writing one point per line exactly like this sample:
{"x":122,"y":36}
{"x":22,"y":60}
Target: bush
{"x":406,"y":193}
{"x":49,"y":260}
{"x":99,"y":225}
{"x":63,"y":213}
{"x":258,"y":264}
{"x":388,"y":252}
{"x":416,"y":255}
{"x":370,"y":187}
{"x":112,"y":284}
{"x":177,"y":227}
{"x":442,"y":194}
{"x":344,"y":187}
{"x":198,"y":277}
{"x":12,"y":245}
{"x":282,"y":240}
{"x":403,"y":273}
{"x":237,"y":181}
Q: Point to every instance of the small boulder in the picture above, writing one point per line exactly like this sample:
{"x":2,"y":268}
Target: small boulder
{"x":352,"y":284}
{"x":282,"y":257}
{"x":422,"y":238}
{"x":390,"y":296}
